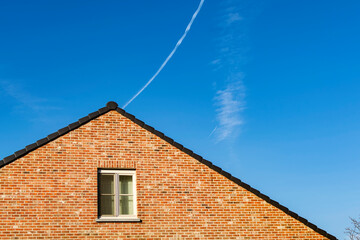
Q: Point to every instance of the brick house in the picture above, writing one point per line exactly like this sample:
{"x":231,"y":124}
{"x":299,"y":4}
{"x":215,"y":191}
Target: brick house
{"x":110,"y":176}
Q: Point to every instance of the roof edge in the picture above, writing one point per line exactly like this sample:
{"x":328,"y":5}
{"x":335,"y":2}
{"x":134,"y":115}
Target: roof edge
{"x":114,"y":106}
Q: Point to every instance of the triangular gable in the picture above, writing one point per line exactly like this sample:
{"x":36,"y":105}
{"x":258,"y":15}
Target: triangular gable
{"x":114,"y":106}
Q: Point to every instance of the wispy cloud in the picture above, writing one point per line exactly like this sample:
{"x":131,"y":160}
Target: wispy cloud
{"x":25,"y":102}
{"x":230,"y":103}
{"x":170,"y":55}
{"x":20,"y":96}
{"x":229,"y":99}
{"x":233,"y":17}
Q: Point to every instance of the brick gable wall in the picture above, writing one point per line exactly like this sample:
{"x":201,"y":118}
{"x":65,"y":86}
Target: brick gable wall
{"x":52,"y":192}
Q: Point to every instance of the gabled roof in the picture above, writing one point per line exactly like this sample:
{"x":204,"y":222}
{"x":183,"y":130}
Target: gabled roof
{"x":114,"y":106}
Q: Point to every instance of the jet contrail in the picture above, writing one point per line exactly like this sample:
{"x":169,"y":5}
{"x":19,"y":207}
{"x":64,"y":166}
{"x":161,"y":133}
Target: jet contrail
{"x":170,"y":55}
{"x":212,"y":131}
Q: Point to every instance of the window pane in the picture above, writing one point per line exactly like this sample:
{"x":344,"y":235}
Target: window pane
{"x":107,"y":184}
{"x":107,"y":205}
{"x":126,"y":205}
{"x":125,"y":185}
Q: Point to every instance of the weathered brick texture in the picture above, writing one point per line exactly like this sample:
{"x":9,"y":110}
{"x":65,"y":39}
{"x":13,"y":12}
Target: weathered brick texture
{"x":52,"y":192}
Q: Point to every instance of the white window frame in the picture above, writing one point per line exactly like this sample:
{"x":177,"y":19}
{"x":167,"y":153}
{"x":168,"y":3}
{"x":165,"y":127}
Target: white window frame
{"x":119,"y":217}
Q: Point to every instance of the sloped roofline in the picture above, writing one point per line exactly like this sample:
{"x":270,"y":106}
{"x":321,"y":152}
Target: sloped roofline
{"x":114,"y":106}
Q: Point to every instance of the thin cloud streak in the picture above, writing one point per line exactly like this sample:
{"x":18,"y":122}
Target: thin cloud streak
{"x":21,"y":96}
{"x":170,"y":55}
{"x":24,"y":102}
{"x":229,"y":101}
{"x":212,"y":132}
{"x":230,"y":104}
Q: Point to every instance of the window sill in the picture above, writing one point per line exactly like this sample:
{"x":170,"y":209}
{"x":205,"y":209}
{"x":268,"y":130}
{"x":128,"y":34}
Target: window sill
{"x":118,"y":220}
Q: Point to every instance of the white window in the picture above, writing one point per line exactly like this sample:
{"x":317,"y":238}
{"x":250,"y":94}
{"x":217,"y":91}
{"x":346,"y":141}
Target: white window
{"x":117,"y":195}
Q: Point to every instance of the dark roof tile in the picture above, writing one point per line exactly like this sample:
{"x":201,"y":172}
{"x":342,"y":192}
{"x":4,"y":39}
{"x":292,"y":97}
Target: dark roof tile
{"x":158,"y":133}
{"x":169,"y":140}
{"x":246,"y":186}
{"x":303,"y":220}
{"x":9,"y":159}
{"x":84,"y":120}
{"x":94,"y":115}
{"x":284,"y":209}
{"x":226,"y":174}
{"x":291,"y":213}
{"x":120,"y":110}
{"x":187,"y":151}
{"x":274,"y":203}
{"x":216,"y":168}
{"x":42,"y":141}
{"x":20,"y":153}
{"x":197,"y":157}
{"x":331,"y":237}
{"x":103,"y":110}
{"x":53,"y":136}
{"x":129,"y":116}
{"x":236,"y":180}
{"x":147,"y":127}
{"x":312,"y":226}
{"x":31,"y":147}
{"x":254,"y":191}
{"x":74,"y":125}
{"x":207,"y":163}
{"x":138,"y":122}
{"x":178,"y":145}
{"x":263,"y":196}
{"x":64,"y":130}
{"x":112,"y":105}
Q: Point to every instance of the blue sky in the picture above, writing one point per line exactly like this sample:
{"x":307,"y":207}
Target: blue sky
{"x":278,"y":81}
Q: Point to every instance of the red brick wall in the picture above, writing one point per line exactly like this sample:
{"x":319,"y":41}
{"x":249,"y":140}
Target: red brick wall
{"x":52,"y":192}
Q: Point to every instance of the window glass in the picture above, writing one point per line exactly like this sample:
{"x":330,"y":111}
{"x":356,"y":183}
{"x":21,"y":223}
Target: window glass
{"x":107,"y":205}
{"x":125,"y":185}
{"x":126,"y":205}
{"x":107,"y":184}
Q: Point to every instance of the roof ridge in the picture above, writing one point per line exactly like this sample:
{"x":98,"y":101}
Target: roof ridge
{"x":114,"y":106}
